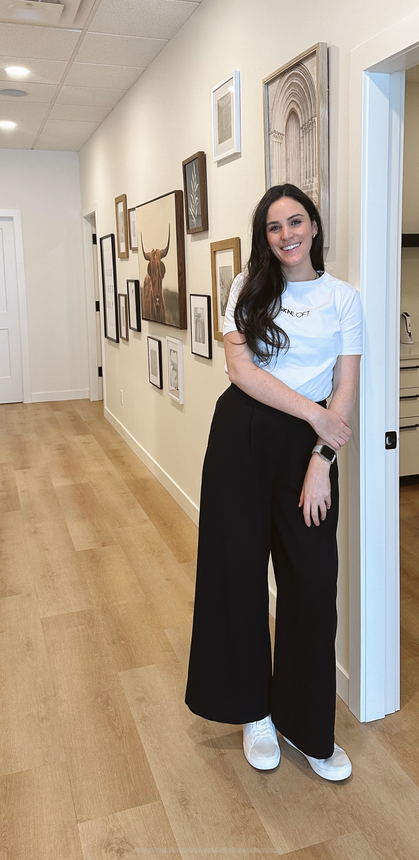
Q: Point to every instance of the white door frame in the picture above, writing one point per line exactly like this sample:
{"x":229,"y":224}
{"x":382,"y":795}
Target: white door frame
{"x":15,"y":216}
{"x":95,"y":388}
{"x":377,"y":118}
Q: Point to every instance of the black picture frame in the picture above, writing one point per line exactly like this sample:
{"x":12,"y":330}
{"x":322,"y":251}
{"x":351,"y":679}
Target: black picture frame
{"x":109,"y":287}
{"x":155,"y":370}
{"x":201,"y":333}
{"x":134,"y":307}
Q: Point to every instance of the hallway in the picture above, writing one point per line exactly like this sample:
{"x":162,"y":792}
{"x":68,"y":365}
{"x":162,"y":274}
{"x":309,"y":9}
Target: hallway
{"x":99,"y":756}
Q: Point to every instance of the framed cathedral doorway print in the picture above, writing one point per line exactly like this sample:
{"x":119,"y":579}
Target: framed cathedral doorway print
{"x":296,"y":127}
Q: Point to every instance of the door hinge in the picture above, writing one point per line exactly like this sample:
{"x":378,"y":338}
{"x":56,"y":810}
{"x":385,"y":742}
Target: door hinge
{"x":97,"y":304}
{"x":391,"y":439}
{"x":94,"y":239}
{"x":99,"y":371}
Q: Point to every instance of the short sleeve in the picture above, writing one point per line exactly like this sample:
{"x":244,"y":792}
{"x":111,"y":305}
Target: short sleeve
{"x":351,"y":323}
{"x":229,"y":322}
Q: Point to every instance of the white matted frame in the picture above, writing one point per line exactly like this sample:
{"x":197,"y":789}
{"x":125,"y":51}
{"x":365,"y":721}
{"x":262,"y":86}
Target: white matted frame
{"x":226,"y":126}
{"x":174,"y":349}
{"x":297,"y":127}
{"x":225,"y":265}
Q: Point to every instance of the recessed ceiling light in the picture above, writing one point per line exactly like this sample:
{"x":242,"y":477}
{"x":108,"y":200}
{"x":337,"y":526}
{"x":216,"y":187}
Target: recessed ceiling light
{"x":17,"y":71}
{"x":7,"y":124}
{"x":15,"y":93}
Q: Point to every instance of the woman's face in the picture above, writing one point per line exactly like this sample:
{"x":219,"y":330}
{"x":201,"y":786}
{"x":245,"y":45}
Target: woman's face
{"x":290,"y":233}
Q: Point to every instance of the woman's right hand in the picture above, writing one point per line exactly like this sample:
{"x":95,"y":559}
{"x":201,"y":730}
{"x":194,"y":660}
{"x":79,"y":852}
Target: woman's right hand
{"x":331,"y":427}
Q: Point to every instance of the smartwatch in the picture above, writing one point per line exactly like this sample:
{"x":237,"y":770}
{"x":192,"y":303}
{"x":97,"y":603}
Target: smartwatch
{"x":325,"y":452}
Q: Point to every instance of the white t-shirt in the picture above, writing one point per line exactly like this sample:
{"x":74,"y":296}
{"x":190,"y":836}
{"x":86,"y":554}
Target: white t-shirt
{"x":323,"y":319}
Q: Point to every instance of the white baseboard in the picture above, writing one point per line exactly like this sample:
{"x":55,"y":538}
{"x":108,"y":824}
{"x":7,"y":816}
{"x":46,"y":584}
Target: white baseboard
{"x":190,"y":508}
{"x":342,"y":677}
{"x":44,"y":396}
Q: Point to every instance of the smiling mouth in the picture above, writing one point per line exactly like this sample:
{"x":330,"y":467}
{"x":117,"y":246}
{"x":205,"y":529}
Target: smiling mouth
{"x":291,"y":247}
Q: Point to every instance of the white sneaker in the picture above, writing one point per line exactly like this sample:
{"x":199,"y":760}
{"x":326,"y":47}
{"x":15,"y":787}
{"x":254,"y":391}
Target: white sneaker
{"x":338,"y":766}
{"x":260,"y":744}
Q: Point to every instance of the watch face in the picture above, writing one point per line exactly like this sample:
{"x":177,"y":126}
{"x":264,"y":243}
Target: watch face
{"x":328,"y":453}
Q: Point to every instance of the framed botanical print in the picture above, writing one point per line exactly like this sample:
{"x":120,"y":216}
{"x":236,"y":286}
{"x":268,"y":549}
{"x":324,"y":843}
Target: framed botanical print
{"x":122,"y":226}
{"x":134,"y":312}
{"x":201,"y":336}
{"x":195,"y":192}
{"x":132,"y":230}
{"x":225,"y":265}
{"x":109,"y":288}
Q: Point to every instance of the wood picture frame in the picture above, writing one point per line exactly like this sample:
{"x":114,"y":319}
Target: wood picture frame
{"x":201,"y":335}
{"x":226,"y":126}
{"x":296,"y":121}
{"x":174,"y":354}
{"x":134,"y":309}
{"x":155,"y":375}
{"x":225,"y":265}
{"x":132,"y":230}
{"x":195,"y":192}
{"x":123,"y":316}
{"x":109,"y":287}
{"x":121,"y":216}
{"x":161,"y":260}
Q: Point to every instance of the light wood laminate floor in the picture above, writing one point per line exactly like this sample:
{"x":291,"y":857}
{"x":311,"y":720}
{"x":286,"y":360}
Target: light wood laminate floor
{"x":99,"y":756}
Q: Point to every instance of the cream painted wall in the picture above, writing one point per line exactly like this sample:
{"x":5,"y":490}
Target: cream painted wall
{"x":410,"y":256}
{"x":138,"y":150}
{"x":45,"y":187}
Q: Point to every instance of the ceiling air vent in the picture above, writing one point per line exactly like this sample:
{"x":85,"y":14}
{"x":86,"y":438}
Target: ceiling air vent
{"x":47,"y":13}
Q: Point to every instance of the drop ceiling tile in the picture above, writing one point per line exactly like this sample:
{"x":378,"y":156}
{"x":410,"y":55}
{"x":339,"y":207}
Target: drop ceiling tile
{"x":65,"y":142}
{"x":89,"y":96}
{"x":84,"y":113}
{"x":38,"y":93}
{"x":41,"y":71}
{"x":93,"y":75}
{"x":17,"y":139}
{"x":14,"y":109}
{"x":45,"y":43}
{"x":149,"y":18}
{"x":54,"y":127}
{"x":119,"y":50}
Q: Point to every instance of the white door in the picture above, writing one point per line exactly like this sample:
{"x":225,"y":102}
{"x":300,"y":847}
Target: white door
{"x":11,"y":383}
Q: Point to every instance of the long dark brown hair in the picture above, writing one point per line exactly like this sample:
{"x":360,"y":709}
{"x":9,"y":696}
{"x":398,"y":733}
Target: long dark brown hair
{"x":259,"y":301}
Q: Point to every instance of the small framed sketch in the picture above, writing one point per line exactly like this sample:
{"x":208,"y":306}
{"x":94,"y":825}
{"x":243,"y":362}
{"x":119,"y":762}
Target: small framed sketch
{"x":155,"y":375}
{"x":175,"y":368}
{"x":134,"y":311}
{"x":201,"y":340}
{"x":195,"y":191}
{"x":122,"y":226}
{"x":225,"y":265}
{"x":110,"y":295}
{"x":123,"y":316}
{"x":132,"y":230}
{"x":226,"y":133}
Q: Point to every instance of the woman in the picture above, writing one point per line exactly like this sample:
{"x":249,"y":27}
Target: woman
{"x":270,"y":485}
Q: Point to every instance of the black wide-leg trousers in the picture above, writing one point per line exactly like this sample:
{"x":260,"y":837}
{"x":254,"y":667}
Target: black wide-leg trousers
{"x":253,"y":473}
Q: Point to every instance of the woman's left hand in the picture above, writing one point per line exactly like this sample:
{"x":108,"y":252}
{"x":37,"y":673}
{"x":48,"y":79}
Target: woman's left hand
{"x":315,"y":499}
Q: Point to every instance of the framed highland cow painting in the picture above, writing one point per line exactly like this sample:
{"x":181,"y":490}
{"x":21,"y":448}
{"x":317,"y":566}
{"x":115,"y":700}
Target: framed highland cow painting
{"x":161,"y":260}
